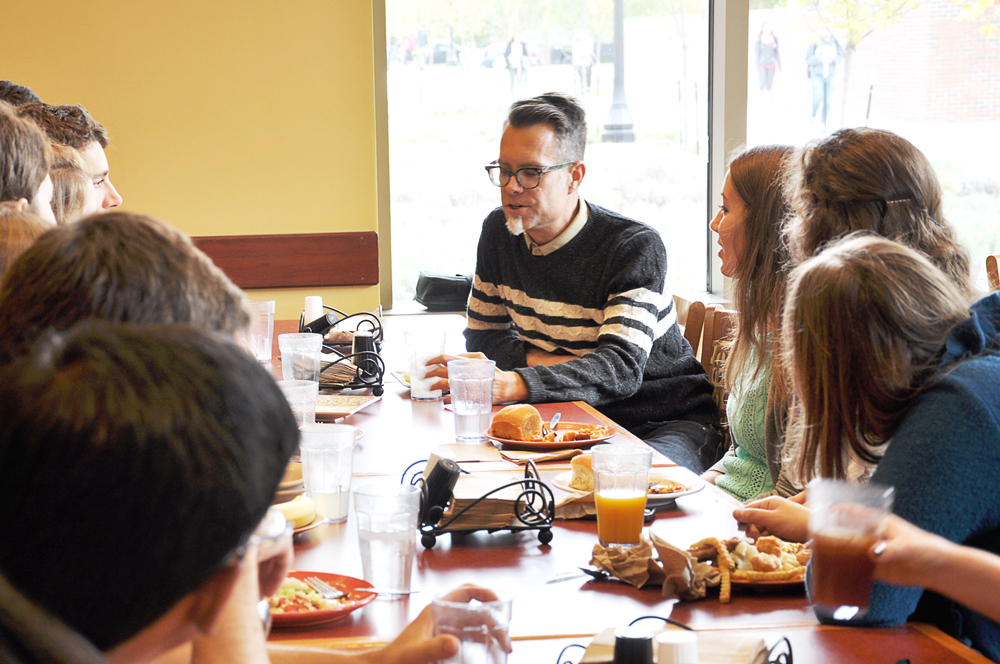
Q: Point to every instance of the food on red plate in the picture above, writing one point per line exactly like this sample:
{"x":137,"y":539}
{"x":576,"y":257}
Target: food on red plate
{"x":295,"y":596}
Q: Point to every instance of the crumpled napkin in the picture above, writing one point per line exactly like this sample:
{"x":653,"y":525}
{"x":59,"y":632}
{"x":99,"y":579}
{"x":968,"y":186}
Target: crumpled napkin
{"x":679,"y":574}
{"x":521,"y":457}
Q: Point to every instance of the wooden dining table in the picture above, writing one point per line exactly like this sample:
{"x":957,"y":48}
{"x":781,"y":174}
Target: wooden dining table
{"x":548,"y":615}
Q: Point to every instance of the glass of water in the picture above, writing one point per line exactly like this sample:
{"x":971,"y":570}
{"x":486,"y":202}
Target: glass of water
{"x":387,"y":531}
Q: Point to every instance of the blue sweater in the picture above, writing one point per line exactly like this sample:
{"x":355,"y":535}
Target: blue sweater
{"x":944,"y":462}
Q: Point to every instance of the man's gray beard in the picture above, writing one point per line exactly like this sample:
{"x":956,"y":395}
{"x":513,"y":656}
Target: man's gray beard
{"x":515,"y":226}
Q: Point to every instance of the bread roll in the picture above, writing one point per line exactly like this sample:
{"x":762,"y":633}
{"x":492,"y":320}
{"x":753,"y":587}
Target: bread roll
{"x":583,"y":472}
{"x":517,"y":422}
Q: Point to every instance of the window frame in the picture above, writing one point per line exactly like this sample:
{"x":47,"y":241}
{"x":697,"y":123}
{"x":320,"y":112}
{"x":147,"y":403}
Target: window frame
{"x":729,"y":22}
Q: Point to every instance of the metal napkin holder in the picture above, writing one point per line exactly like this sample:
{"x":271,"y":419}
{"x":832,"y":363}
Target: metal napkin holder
{"x":534,"y":508}
{"x":369,"y":371}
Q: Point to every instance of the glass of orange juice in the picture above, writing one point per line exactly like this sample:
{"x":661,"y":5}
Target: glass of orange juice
{"x":621,"y":482}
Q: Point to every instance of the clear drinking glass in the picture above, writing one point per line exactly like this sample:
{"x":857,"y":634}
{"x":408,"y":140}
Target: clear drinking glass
{"x":387,"y":530}
{"x":471,"y":386}
{"x":327,"y":462}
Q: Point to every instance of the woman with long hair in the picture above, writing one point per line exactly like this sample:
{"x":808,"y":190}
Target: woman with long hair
{"x":749,"y":228}
{"x":890,"y":365}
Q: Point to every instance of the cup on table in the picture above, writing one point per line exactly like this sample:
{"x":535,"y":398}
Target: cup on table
{"x":327,"y":462}
{"x":480,"y":627}
{"x":845,"y":520}
{"x":387,"y":529}
{"x":300,"y":353}
{"x":621,"y":482}
{"x":301,"y":396}
{"x":471,"y":385}
{"x":261,"y":328}
{"x":421,"y":347}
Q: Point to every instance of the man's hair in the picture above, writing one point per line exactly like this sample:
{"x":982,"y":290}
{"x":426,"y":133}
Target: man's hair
{"x":18,"y":230}
{"x":25,"y":156}
{"x":863,"y":331}
{"x":133,"y":462}
{"x":15,"y":94}
{"x":69,"y":125}
{"x":761,"y":272}
{"x":119,"y":267}
{"x":563,"y":112}
{"x":870,"y":180}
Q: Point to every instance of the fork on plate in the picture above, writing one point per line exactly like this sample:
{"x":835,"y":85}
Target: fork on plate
{"x":329,"y":592}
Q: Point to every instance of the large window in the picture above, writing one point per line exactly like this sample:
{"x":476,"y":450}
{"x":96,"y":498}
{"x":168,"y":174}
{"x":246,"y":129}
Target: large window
{"x":919,"y":68}
{"x":455,"y":67}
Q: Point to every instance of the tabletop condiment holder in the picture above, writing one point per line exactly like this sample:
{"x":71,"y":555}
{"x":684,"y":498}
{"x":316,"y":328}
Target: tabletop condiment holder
{"x":358,"y":364}
{"x":533,"y":509}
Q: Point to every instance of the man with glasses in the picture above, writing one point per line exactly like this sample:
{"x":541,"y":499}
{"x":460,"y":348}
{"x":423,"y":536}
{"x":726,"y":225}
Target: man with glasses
{"x":570,"y":298}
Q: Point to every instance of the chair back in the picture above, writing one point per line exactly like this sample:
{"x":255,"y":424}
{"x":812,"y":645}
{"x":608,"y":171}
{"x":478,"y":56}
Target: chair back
{"x":992,"y":272}
{"x":691,"y":318}
{"x":717,"y":326}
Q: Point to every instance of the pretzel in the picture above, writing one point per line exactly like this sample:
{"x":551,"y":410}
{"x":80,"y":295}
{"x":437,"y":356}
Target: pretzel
{"x":795,"y":574}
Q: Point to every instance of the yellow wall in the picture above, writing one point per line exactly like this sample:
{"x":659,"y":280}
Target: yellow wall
{"x":226,"y":118}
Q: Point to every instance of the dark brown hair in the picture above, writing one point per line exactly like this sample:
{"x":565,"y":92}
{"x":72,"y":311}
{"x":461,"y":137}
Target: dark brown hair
{"x":563,"y":112}
{"x":117,"y":267}
{"x":69,"y":125}
{"x":870,"y":180}
{"x":15,"y":94}
{"x":864,"y":328}
{"x":25,"y":156}
{"x":761,"y":272}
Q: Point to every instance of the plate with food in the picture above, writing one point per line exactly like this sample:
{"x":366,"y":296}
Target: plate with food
{"x":665,"y":484}
{"x":296,"y":604}
{"x":520,"y":426}
{"x":301,"y":513}
{"x":767,"y":564}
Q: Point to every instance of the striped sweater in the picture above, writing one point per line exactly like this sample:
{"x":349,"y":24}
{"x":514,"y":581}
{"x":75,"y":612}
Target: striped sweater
{"x":602,"y":298}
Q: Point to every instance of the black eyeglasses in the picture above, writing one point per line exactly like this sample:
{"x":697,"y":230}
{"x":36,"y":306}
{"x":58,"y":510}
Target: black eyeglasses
{"x":528,"y":178}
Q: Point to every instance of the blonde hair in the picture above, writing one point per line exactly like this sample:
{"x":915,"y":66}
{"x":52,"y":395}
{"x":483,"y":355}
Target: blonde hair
{"x":864,"y":328}
{"x":18,"y":231}
{"x":72,"y":183}
{"x":870,"y":180}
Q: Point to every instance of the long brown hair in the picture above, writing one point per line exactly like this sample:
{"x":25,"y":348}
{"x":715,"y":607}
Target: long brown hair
{"x":870,"y":180}
{"x":761,"y":272}
{"x":18,"y":231}
{"x":864,"y":328}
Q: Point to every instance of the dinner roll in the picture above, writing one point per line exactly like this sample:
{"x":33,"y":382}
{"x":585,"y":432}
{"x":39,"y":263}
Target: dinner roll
{"x":518,"y":422}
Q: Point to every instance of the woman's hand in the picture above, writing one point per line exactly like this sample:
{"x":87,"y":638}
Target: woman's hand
{"x":775,"y":516}
{"x":907,"y":555}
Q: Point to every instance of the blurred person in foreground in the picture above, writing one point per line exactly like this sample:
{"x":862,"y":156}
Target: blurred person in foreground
{"x":25,"y":158}
{"x":74,"y":126}
{"x":198,"y":436}
{"x":126,"y":268}
{"x":570,"y":299}
{"x":892,"y":365}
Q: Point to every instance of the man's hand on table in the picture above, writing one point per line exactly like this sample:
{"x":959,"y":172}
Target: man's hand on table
{"x":415,"y":645}
{"x":508,"y":386}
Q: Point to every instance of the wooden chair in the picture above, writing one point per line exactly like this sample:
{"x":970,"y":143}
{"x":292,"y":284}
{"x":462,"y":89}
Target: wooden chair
{"x":718,"y":324}
{"x":992,"y":272}
{"x":691,"y":318}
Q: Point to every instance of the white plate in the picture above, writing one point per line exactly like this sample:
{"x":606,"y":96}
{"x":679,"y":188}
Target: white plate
{"x":693,"y":484}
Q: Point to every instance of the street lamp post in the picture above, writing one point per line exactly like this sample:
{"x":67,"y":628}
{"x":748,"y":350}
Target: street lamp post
{"x":618,"y":126}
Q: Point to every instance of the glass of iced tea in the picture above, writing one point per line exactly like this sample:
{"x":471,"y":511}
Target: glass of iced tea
{"x":621,"y":482}
{"x":845,"y":520}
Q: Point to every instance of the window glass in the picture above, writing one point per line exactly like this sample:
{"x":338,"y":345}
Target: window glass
{"x":922,"y":69}
{"x":454,"y":71}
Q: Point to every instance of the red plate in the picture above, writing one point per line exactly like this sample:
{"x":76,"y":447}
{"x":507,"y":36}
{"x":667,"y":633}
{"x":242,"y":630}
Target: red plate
{"x":338,"y":581}
{"x":547,"y":445}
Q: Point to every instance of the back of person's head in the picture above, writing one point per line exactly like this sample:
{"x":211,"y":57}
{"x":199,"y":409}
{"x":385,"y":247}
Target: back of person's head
{"x":133,"y":462}
{"x":18,"y":230}
{"x":25,"y":156}
{"x":16,"y":95}
{"x":119,"y":267}
{"x":563,"y":112}
{"x":870,"y":180}
{"x":864,"y":329}
{"x":69,"y":125}
{"x":761,"y":272}
{"x":73,"y":194}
